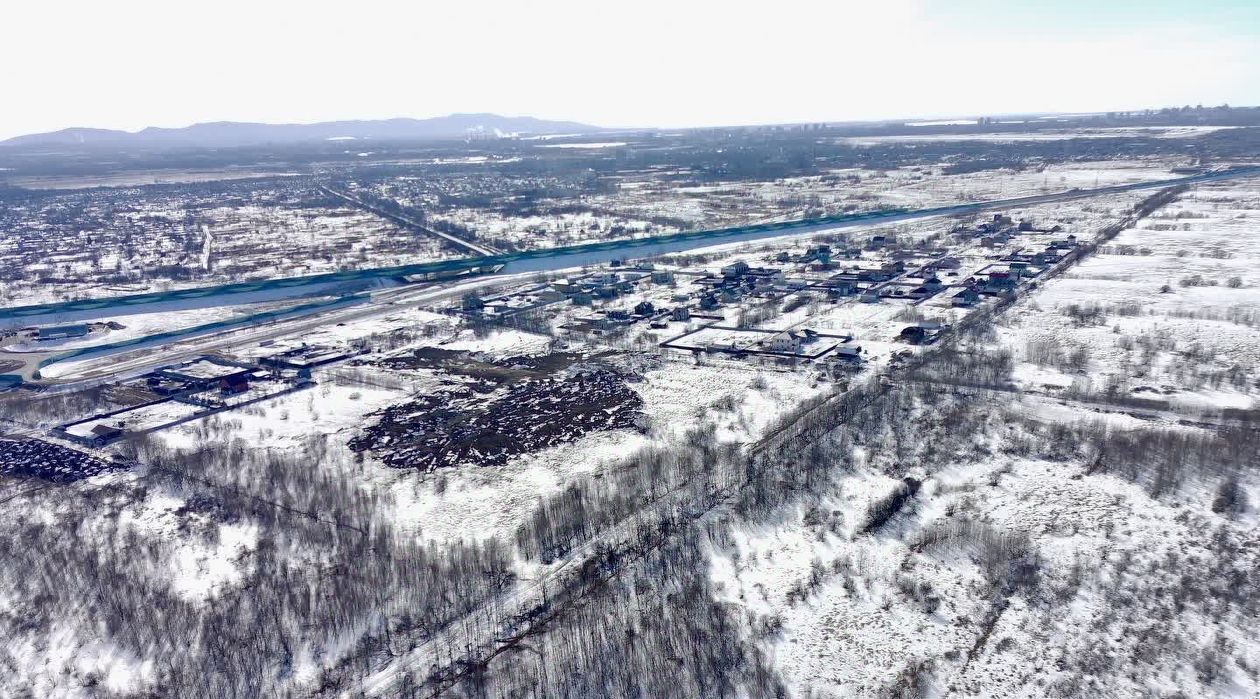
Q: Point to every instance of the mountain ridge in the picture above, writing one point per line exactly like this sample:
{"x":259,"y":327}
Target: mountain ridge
{"x":241,"y":133}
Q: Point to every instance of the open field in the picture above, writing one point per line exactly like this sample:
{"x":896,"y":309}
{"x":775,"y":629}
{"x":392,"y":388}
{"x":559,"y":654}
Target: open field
{"x":1168,"y":311}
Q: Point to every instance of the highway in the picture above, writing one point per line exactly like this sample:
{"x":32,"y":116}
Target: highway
{"x":588,"y":253}
{"x":112,"y":363}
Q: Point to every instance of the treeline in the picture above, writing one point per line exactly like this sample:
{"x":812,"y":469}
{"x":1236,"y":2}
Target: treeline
{"x":324,"y":570}
{"x":1160,"y":459}
{"x":639,"y":610}
{"x":643,"y":518}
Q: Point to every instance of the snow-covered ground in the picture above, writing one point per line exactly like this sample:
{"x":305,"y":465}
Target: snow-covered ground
{"x":843,"y":611}
{"x":1042,"y":135}
{"x":1168,"y":310}
{"x":860,"y":628}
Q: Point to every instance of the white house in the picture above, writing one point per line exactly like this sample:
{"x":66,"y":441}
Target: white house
{"x":784,"y":342}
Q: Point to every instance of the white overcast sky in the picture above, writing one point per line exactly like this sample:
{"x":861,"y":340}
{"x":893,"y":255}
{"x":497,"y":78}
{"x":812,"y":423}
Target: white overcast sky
{"x":129,"y":64}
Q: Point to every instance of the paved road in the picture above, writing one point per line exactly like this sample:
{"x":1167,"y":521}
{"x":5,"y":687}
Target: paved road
{"x":107,"y":368}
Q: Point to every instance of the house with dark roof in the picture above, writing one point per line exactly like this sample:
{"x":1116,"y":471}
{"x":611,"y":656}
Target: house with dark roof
{"x":998,"y":282}
{"x":103,"y":434}
{"x":913,"y":334}
{"x":966,"y":298}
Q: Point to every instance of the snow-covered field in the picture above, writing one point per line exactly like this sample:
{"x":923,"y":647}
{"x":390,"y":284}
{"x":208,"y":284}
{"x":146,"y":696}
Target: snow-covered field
{"x":1014,"y":567}
{"x":1042,"y":135}
{"x":1115,"y":606}
{"x":644,"y":206}
{"x":856,"y":610}
{"x":1168,"y":310}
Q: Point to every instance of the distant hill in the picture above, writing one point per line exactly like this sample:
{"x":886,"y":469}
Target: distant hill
{"x":231,"y":133}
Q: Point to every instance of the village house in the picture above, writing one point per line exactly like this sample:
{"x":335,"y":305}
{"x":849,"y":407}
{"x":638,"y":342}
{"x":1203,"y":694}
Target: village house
{"x":874,"y":275}
{"x":787,"y":342}
{"x":818,"y":253}
{"x":841,"y":287}
{"x":965,"y":298}
{"x":849,"y":355}
{"x":913,"y":334}
{"x":765,"y":276}
{"x":924,"y":290}
{"x":737,"y":269}
{"x":998,"y":282}
{"x":618,"y":316}
{"x":103,"y":434}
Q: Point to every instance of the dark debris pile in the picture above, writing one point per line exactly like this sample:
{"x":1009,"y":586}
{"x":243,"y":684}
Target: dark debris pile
{"x":35,"y":458}
{"x":451,"y":428}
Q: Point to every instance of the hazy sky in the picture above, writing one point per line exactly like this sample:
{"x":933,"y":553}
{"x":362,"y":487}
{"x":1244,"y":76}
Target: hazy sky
{"x":129,"y":64}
